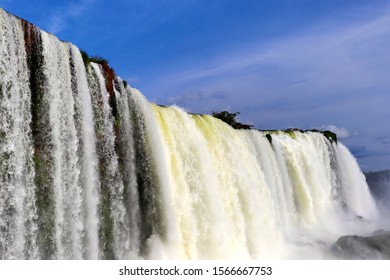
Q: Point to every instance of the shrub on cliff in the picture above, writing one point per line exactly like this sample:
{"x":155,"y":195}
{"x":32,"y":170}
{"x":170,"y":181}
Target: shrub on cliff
{"x":231,"y":119}
{"x":97,"y":59}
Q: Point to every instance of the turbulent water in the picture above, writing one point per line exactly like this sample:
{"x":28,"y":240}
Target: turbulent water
{"x":89,"y":169}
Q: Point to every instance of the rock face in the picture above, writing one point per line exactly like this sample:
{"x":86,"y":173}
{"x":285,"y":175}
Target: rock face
{"x":353,"y":247}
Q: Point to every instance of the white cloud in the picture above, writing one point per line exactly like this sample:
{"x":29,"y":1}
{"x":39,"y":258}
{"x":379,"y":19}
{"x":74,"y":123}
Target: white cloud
{"x":340,"y":131}
{"x":132,"y":79}
{"x":342,"y":56}
{"x":333,"y":73}
{"x":338,"y":75}
{"x":59,"y":19}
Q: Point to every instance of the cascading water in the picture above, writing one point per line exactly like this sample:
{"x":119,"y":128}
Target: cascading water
{"x":89,"y":169}
{"x":63,"y":145}
{"x":18,"y":225}
{"x":89,"y":177}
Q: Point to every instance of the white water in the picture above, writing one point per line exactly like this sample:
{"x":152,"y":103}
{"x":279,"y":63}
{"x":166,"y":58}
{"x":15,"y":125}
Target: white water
{"x":89,"y":174}
{"x":116,"y":177}
{"x":113,"y":178}
{"x":130,"y":230}
{"x":261,"y":201}
{"x":66,"y":171}
{"x":17,"y":198}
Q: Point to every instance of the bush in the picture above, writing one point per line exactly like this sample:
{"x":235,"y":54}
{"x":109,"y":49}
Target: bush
{"x":231,"y":119}
{"x":88,"y":59}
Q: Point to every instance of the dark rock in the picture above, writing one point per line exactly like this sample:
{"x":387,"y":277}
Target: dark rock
{"x":269,"y":137}
{"x":381,"y":232}
{"x":231,"y":119}
{"x":374,"y":247}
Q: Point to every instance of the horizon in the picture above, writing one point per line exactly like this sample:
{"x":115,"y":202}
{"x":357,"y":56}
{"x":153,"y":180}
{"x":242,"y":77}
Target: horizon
{"x":283,"y":64}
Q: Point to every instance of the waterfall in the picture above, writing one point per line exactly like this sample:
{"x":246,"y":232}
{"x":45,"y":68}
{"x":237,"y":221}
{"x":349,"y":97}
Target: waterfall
{"x":89,"y":169}
{"x":89,"y":177}
{"x":18,"y":225}
{"x":261,"y":199}
{"x":115,"y":227}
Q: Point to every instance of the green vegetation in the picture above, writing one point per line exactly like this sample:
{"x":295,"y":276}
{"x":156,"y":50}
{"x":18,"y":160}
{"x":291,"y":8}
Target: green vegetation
{"x":99,"y":60}
{"x":330,"y":135}
{"x":88,"y":59}
{"x":85,"y":57}
{"x":231,"y":119}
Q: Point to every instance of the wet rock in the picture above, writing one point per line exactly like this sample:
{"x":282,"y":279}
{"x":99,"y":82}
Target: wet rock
{"x":353,"y":247}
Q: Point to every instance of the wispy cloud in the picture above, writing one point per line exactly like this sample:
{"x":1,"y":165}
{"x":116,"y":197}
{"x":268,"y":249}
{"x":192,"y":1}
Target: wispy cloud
{"x":58,"y":21}
{"x":132,"y":79}
{"x":384,"y":140}
{"x":341,"y":132}
{"x":196,"y":96}
{"x":344,"y":57}
{"x":333,"y":73}
{"x":337,"y":76}
{"x":366,"y":152}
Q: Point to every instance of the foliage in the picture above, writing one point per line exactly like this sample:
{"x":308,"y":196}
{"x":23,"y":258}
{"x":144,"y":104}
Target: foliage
{"x":85,"y":57}
{"x":88,"y":59}
{"x":231,"y":119}
{"x":330,"y":135}
{"x":99,"y":60}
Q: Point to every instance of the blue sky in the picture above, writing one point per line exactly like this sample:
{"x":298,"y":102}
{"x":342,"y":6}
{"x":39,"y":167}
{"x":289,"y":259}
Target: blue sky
{"x":281,"y":63}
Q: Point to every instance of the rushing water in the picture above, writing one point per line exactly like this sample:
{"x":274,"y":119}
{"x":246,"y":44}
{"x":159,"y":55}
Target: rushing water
{"x":89,"y":169}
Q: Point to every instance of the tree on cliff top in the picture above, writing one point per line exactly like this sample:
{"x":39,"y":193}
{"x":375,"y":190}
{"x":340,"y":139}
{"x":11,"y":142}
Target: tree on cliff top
{"x":231,"y":119}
